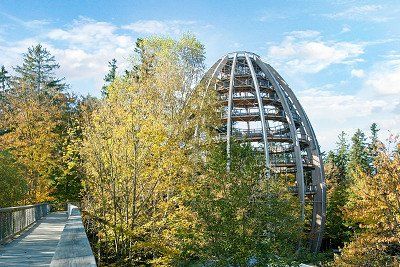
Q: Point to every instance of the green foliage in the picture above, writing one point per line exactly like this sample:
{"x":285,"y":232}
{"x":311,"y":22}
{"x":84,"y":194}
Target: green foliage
{"x":4,"y":79}
{"x":12,"y":181}
{"x":154,"y":183}
{"x":373,"y":147}
{"x":244,"y":216}
{"x":35,"y":114}
{"x":37,"y":70}
{"x":140,"y":162}
{"x":337,"y":178}
{"x":358,"y":155}
{"x":363,"y":202}
{"x":110,"y":76}
{"x":68,"y":181}
{"x":374,"y":206}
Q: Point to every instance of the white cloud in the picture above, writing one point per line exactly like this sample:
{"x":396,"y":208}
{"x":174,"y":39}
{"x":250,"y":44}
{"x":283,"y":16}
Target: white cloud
{"x":331,"y":112}
{"x":36,"y":23}
{"x":237,"y":45}
{"x":159,"y":27}
{"x":385,"y":78}
{"x":88,"y":46}
{"x":268,"y":16}
{"x":11,"y":52}
{"x":306,"y":52}
{"x":359,"y":73}
{"x":338,"y":108}
{"x":304,"y":34}
{"x":357,"y":10}
{"x":375,"y":13}
{"x":365,"y":12}
{"x":32,"y":24}
{"x":82,"y":49}
{"x":88,"y":33}
{"x":345,"y":29}
{"x":148,"y":26}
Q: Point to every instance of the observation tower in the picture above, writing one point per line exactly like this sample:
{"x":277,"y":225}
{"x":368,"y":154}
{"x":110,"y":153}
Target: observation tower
{"x":258,"y":106}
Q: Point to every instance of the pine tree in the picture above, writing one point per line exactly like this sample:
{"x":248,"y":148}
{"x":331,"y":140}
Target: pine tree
{"x":110,"y":76}
{"x":38,"y":71}
{"x":4,"y":79}
{"x":373,"y":146}
{"x":341,"y":159}
{"x":337,"y":179}
{"x":358,"y":155}
{"x":374,"y":132}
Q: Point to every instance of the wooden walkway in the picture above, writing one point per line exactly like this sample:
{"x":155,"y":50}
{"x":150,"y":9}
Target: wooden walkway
{"x":36,"y":246}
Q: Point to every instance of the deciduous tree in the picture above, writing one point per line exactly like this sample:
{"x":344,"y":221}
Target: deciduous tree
{"x":137,"y":150}
{"x":246,"y":219}
{"x":35,"y":114}
{"x":375,"y":207}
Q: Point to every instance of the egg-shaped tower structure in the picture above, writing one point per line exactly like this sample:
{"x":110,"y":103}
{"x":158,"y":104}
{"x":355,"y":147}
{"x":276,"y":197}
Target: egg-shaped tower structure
{"x":259,"y":107}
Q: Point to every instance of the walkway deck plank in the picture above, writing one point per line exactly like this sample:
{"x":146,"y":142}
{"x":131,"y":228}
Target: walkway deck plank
{"x":35,"y":247}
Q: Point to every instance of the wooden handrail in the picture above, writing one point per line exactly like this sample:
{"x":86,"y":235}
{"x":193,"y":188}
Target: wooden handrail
{"x":14,"y":220}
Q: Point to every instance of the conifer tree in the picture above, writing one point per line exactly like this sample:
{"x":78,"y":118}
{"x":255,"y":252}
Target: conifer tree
{"x":38,"y":71}
{"x":110,"y":76}
{"x":4,"y":79}
{"x":358,"y":155}
{"x":337,"y":179}
{"x":245,"y":217}
{"x":341,"y":159}
{"x":373,"y":146}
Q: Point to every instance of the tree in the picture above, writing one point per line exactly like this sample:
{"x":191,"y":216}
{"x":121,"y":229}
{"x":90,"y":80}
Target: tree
{"x":358,"y":155}
{"x":144,"y":60}
{"x":374,"y":133}
{"x":337,"y":232}
{"x":35,"y":114}
{"x":68,"y":181}
{"x":141,"y":158}
{"x":4,"y":79}
{"x":12,"y":182}
{"x":245,"y":217}
{"x":37,"y":71}
{"x":375,"y":207}
{"x":110,"y":76}
{"x":373,"y":146}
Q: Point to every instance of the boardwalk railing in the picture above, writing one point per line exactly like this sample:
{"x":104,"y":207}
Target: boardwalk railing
{"x":13,"y":220}
{"x":73,"y":249}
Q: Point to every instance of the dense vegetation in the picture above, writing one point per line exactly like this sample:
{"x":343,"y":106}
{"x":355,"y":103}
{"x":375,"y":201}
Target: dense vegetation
{"x":152,"y":181}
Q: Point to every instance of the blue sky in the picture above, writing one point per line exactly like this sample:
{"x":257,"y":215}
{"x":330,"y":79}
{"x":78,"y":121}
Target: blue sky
{"x":341,"y":58}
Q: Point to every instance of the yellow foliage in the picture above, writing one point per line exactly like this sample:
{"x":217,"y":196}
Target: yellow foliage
{"x":375,"y":206}
{"x":33,"y":138}
{"x":136,"y":150}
